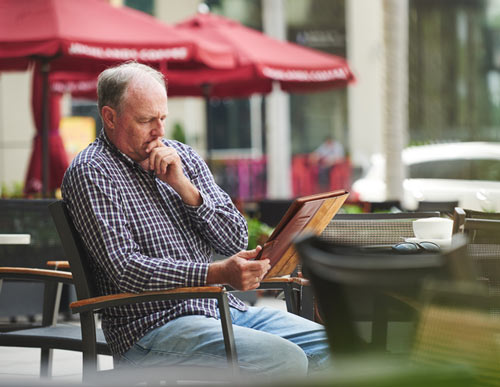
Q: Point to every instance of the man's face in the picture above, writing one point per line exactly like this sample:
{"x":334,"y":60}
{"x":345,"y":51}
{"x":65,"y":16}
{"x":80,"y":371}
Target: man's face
{"x":141,"y":119}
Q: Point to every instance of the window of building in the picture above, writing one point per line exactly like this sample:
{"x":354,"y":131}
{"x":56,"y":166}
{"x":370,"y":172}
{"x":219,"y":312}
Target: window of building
{"x":142,"y":5}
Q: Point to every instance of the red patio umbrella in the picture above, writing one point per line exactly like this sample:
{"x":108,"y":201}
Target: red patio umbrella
{"x":89,"y":36}
{"x":261,"y":60}
{"x":58,"y":160}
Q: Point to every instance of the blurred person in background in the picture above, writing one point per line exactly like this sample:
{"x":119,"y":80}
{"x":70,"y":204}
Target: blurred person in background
{"x":326,"y":156}
{"x":151,"y":216}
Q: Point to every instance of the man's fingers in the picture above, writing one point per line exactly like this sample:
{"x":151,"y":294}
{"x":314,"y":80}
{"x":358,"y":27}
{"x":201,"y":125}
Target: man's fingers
{"x":256,"y":265}
{"x":154,"y":144}
{"x":249,"y":254}
{"x":160,"y":159}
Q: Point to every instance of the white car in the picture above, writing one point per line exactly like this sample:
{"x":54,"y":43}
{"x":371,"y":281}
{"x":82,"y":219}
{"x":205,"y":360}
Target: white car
{"x":468,"y":172}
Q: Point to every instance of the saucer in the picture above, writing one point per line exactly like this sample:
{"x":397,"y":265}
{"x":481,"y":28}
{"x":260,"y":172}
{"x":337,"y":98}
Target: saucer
{"x":440,"y":242}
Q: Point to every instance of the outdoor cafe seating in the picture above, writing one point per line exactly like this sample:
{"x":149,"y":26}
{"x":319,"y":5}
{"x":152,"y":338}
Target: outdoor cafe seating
{"x":453,"y":326}
{"x":483,"y":232}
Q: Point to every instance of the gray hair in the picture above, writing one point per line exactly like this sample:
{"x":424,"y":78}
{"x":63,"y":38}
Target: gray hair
{"x":112,"y":83}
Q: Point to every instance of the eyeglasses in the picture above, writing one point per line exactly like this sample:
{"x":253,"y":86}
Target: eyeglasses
{"x":416,"y":247}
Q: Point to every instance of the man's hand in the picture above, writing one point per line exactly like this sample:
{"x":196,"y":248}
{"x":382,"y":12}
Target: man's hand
{"x":167,"y":165}
{"x":164,"y":161}
{"x":239,"y":271}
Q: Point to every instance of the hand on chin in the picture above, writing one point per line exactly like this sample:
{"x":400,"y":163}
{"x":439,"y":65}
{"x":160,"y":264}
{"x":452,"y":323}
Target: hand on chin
{"x":145,"y":164}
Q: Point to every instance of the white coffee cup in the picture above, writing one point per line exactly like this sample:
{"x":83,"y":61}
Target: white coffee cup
{"x":433,"y":228}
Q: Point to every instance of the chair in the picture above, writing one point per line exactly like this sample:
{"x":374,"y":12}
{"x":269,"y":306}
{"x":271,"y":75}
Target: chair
{"x":483,"y":232}
{"x":444,"y":207}
{"x":89,"y":301}
{"x":49,"y":334}
{"x":383,"y":207}
{"x":461,"y":214}
{"x":31,"y":217}
{"x":27,"y":289}
{"x":335,"y":269}
{"x":270,"y":211}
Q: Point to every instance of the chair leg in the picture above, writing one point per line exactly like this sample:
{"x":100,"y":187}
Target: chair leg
{"x":51,"y":301}
{"x":291,"y":299}
{"x":227,"y":331}
{"x":89,"y":350}
{"x":306,"y":302}
{"x":380,"y":322}
{"x":46,"y":358}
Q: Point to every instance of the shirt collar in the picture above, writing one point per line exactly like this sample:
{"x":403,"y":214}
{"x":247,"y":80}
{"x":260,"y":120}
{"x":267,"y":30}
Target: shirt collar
{"x":105,"y":139}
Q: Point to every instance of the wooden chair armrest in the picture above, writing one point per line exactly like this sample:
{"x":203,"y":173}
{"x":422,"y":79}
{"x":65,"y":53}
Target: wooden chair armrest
{"x":58,"y":264}
{"x":97,"y":303}
{"x":277,"y":280}
{"x":33,"y":274}
{"x":301,"y":281}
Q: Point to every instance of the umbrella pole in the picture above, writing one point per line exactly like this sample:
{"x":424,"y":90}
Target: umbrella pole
{"x":45,"y":68}
{"x":206,"y":87}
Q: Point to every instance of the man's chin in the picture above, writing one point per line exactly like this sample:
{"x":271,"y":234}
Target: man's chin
{"x":144,"y":163}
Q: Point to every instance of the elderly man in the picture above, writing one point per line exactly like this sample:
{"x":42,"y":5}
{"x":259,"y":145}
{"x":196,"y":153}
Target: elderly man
{"x":151,"y":215}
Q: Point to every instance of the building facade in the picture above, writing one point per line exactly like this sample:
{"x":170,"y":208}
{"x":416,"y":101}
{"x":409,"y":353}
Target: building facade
{"x":451,"y":90}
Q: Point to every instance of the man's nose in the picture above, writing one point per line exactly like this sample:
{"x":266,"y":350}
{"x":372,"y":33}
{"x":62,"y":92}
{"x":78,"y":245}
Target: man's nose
{"x":159,"y":128}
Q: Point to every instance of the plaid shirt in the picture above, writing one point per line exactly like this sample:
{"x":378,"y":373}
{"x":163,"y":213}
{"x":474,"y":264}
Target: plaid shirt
{"x":142,"y":237}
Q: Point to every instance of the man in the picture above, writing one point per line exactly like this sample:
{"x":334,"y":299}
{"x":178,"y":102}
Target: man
{"x":150,"y":214}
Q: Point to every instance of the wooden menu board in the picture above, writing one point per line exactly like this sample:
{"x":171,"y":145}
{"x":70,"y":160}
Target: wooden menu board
{"x":305,"y":214}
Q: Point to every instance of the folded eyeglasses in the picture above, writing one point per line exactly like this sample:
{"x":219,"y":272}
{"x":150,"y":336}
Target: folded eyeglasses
{"x":416,"y":247}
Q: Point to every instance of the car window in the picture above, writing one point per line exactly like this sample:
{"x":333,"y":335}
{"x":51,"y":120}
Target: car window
{"x":460,"y":169}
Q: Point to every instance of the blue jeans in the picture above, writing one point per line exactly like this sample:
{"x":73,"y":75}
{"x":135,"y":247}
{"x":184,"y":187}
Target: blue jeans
{"x":268,"y":341}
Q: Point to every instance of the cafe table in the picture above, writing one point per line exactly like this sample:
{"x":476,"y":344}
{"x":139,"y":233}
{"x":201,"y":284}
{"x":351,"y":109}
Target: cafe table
{"x":15,"y":239}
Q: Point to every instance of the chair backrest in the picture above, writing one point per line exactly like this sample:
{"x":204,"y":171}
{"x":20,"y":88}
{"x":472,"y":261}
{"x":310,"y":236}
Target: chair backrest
{"x":76,"y":252}
{"x":461,"y":214}
{"x":373,"y":228}
{"x":270,"y":211}
{"x":483,"y":232}
{"x":333,"y":269}
{"x":385,"y":206}
{"x":456,"y":327}
{"x":441,"y":206}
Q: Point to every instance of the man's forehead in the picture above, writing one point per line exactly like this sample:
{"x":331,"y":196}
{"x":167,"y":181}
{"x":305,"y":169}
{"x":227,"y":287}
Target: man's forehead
{"x":150,"y":93}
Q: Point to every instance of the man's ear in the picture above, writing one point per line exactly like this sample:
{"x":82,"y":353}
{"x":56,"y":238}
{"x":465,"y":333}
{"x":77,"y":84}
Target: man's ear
{"x":108,"y":115}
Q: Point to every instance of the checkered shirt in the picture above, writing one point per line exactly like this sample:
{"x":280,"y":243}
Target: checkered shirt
{"x":142,"y":237}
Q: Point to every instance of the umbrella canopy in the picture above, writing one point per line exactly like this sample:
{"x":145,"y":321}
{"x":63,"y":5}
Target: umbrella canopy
{"x":61,"y":35}
{"x":91,"y":34}
{"x":261,"y":60}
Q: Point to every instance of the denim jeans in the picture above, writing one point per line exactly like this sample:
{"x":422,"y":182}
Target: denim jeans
{"x":268,"y":341}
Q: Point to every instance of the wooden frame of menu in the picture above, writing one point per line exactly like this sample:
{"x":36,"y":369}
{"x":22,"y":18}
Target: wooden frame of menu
{"x":306,"y":214}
